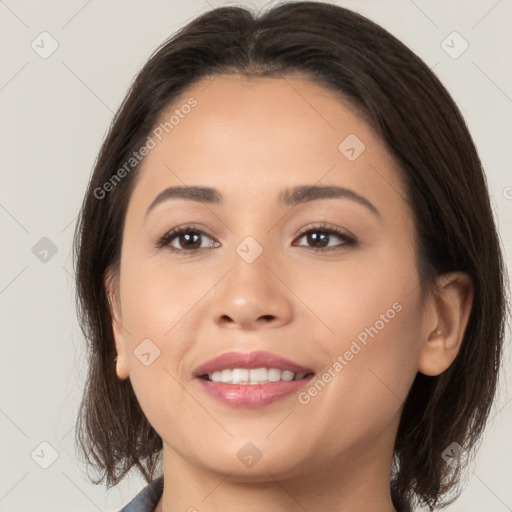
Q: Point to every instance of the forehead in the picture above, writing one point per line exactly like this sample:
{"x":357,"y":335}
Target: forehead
{"x":258,"y":134}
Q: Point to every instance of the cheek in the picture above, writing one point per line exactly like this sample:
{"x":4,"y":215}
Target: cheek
{"x":372,"y":364}
{"x":371,"y":314}
{"x":158,"y":297}
{"x":367,"y":296}
{"x":158,"y":312}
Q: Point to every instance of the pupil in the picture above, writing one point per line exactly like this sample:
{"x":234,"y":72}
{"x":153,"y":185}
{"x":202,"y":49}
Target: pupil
{"x":188,"y":237}
{"x":313,"y":238}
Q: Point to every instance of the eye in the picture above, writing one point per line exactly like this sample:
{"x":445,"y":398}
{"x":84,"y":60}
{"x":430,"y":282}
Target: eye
{"x":188,"y":239}
{"x":320,"y":237}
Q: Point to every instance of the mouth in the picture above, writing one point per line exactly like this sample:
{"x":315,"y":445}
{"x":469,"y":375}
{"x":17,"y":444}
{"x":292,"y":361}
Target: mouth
{"x":251,"y":379}
{"x":250,"y":367}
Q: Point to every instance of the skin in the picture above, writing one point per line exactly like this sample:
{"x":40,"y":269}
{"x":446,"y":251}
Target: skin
{"x":249,"y":139}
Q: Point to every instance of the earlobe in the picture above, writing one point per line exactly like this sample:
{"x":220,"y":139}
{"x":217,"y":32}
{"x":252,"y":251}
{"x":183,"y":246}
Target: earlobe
{"x":112,"y":292}
{"x":445,"y":322}
{"x":121,"y":368}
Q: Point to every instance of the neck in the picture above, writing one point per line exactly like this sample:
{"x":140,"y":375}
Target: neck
{"x":357,"y":481}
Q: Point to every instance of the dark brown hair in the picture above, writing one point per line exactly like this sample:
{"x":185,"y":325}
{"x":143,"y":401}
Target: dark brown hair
{"x":422,"y":128}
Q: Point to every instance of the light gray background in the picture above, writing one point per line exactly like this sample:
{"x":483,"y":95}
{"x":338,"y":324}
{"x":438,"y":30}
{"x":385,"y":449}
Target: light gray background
{"x":54,"y":115}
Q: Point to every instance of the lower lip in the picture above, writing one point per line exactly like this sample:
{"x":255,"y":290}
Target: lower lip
{"x":252,"y":395}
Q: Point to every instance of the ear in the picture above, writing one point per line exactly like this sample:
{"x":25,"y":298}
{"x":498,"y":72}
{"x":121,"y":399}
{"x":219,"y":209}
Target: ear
{"x":111,"y":283}
{"x":445,"y":321}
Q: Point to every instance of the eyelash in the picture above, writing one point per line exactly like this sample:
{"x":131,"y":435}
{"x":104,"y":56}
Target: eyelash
{"x":166,"y":239}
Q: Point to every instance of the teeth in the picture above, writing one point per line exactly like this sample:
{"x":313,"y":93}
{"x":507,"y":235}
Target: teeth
{"x":240,"y":375}
{"x":287,"y":375}
{"x":274,"y":375}
{"x":258,"y":375}
{"x":225,"y":375}
{"x":253,"y":376}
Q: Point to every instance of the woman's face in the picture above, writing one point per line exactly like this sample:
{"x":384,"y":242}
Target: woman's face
{"x":257,"y":271}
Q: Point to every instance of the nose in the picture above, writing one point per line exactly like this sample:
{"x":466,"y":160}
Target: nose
{"x":253,"y":296}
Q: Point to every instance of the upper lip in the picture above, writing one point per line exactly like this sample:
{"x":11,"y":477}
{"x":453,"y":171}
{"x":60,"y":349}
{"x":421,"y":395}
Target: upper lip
{"x":249,"y":360}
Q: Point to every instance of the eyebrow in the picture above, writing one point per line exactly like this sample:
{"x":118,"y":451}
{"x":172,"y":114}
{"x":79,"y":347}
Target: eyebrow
{"x":290,"y":197}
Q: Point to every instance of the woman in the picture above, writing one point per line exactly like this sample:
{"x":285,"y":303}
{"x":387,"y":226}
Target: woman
{"x":288,"y":273}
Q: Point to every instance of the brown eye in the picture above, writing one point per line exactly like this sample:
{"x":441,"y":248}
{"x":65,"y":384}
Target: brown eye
{"x":319,"y":238}
{"x":185,"y":239}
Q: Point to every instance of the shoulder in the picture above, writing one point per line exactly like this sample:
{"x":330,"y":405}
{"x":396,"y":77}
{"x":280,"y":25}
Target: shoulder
{"x":147,"y":499}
